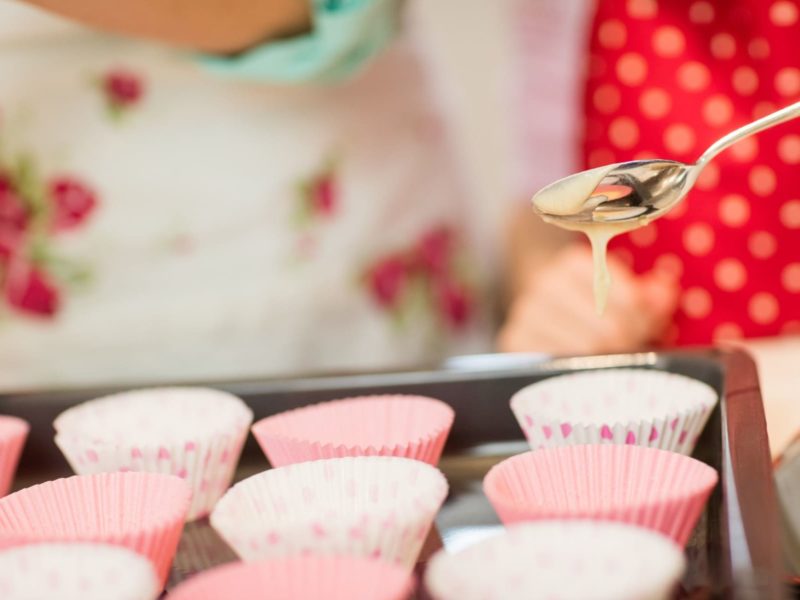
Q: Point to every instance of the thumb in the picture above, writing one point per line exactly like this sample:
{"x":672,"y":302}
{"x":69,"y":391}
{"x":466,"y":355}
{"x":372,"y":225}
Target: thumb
{"x":659,"y":292}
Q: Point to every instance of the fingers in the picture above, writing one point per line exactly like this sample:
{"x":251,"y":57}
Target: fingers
{"x":556,"y":313}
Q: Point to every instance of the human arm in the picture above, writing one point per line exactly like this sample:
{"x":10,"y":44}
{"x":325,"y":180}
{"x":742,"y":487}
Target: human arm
{"x":217,"y":26}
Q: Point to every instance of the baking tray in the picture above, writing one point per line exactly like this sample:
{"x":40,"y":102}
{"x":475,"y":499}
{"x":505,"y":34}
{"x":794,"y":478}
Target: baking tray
{"x":734,"y":551}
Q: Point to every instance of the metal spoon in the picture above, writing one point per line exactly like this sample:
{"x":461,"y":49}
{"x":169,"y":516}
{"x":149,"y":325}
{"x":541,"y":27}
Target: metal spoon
{"x":640,"y":190}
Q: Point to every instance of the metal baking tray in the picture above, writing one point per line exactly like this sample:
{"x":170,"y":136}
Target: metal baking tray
{"x":734,"y":552}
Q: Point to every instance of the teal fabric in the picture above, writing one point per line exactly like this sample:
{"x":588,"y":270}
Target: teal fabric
{"x":346,"y":34}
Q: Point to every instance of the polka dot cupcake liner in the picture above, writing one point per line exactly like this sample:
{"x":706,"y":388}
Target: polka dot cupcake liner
{"x":570,"y":560}
{"x":196,"y":434}
{"x":76,"y":571}
{"x":144,"y":512}
{"x":374,"y":506}
{"x":655,"y":489}
{"x":616,"y":406}
{"x":13,"y":433}
{"x":407,"y":426}
{"x":301,"y":578}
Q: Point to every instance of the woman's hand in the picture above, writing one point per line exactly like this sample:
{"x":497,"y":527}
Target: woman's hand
{"x":554,"y":310}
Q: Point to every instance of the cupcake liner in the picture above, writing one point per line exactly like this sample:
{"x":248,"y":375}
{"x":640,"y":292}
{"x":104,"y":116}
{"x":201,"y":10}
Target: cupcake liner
{"x":653,"y":488}
{"x":301,"y":578}
{"x":376,"y":506}
{"x":196,"y":434}
{"x":407,"y":426}
{"x":569,"y":560}
{"x":643,"y":407}
{"x":13,"y":433}
{"x":76,"y":571}
{"x":141,"y":511}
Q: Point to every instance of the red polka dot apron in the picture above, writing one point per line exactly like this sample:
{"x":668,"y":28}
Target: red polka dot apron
{"x":666,"y":80}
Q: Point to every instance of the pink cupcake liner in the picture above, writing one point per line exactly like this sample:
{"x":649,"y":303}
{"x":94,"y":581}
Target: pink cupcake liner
{"x":374,"y":506}
{"x":13,"y":433}
{"x":196,"y":434}
{"x":643,"y":407}
{"x":141,"y":511}
{"x":406,"y":426}
{"x":570,"y":560}
{"x":652,"y":488}
{"x":76,"y":571}
{"x":301,"y":578}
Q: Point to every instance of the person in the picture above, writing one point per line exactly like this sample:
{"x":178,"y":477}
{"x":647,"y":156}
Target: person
{"x":666,"y":79}
{"x":213,"y":190}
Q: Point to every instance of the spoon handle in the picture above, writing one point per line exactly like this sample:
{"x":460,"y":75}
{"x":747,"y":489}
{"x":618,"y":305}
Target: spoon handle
{"x":785,"y":114}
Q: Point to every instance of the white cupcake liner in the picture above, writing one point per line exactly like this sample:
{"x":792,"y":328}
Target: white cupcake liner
{"x":569,"y":560}
{"x":376,"y":506}
{"x":196,"y":434}
{"x":642,"y":407}
{"x":76,"y":571}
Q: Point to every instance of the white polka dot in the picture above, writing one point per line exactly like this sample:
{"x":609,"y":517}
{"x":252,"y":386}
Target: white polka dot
{"x":645,"y":155}
{"x":763,"y":108}
{"x":787,"y":81}
{"x":717,"y":110}
{"x":668,"y":41}
{"x":763,"y":308}
{"x":623,"y":133}
{"x":644,"y":236}
{"x":701,"y":13}
{"x":790,"y":277}
{"x":758,"y":48}
{"x":709,"y":178}
{"x":606,"y":99}
{"x":654,"y":103}
{"x":762,"y":244}
{"x":730,"y":275}
{"x":734,"y":210}
{"x":612,"y":34}
{"x":723,"y":45}
{"x":693,"y":76}
{"x":698,"y":239}
{"x":600,"y":157}
{"x":631,"y":68}
{"x":696,"y":303}
{"x":727,"y":331}
{"x":642,"y":9}
{"x":789,"y":149}
{"x":762,"y":180}
{"x":790,"y":214}
{"x":679,"y":138}
{"x":669,"y":263}
{"x":745,"y":150}
{"x":783,"y":13}
{"x":745,"y":80}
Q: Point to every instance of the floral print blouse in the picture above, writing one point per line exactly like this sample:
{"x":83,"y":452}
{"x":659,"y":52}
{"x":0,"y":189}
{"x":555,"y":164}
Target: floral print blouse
{"x":164,"y":218}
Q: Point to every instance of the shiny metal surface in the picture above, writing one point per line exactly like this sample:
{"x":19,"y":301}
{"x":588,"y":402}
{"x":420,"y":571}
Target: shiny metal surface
{"x":647,"y":189}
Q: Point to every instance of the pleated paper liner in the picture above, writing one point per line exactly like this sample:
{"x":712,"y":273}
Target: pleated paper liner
{"x":141,"y":511}
{"x":13,"y":433}
{"x":76,"y":571}
{"x":568,"y":560}
{"x":375,"y":506}
{"x":656,"y":489}
{"x":196,"y":434}
{"x":615,"y":406}
{"x":407,"y":426}
{"x":301,"y":578}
